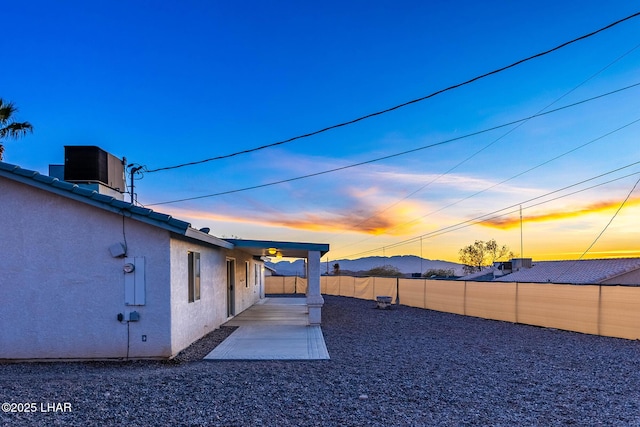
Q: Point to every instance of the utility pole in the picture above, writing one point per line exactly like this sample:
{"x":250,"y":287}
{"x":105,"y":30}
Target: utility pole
{"x":421,"y":267}
{"x":521,"y":244}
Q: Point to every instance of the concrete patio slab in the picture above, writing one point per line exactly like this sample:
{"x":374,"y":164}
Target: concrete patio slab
{"x":273,"y":329}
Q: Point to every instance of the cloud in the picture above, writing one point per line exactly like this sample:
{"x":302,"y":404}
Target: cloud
{"x":593,"y":208}
{"x":384,"y":176}
{"x":359,"y":217}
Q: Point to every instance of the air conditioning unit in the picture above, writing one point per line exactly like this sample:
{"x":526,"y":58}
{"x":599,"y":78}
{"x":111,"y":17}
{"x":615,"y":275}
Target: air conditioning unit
{"x":88,"y":164}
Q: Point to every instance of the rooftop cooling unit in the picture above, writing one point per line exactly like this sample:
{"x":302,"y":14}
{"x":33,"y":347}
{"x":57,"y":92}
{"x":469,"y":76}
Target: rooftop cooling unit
{"x":91,"y":164}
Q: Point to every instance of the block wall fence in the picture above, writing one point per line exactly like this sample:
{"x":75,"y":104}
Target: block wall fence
{"x":606,"y":310}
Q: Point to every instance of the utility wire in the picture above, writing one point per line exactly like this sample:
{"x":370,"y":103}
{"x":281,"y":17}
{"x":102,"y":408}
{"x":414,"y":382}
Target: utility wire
{"x":398,"y":154}
{"x":381,"y":211}
{"x":611,"y":220}
{"x":414,"y":101}
{"x":575,"y":263}
{"x":517,"y":210}
{"x":483,"y":218}
{"x":524,"y":172}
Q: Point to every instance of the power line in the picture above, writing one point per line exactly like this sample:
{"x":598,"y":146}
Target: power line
{"x":611,"y":220}
{"x":575,"y":263}
{"x":508,"y":179}
{"x":486,"y":217}
{"x":533,"y":168}
{"x":414,"y":101}
{"x":480,"y":221}
{"x":364,"y":221}
{"x":396,"y":154}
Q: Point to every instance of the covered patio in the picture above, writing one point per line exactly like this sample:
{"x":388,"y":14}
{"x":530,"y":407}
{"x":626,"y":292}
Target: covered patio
{"x":273,"y":329}
{"x":311,"y":252}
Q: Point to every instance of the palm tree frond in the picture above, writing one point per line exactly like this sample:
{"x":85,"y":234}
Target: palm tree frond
{"x":7,"y":109}
{"x":15,"y":130}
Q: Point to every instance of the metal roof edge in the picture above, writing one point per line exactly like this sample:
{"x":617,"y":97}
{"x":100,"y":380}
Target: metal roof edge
{"x":92,"y":198}
{"x":208,"y":238}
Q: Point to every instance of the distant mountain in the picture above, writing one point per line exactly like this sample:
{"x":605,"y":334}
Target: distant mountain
{"x":407,"y":264}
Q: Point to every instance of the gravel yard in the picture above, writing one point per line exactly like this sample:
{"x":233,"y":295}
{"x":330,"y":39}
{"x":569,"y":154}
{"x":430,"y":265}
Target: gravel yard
{"x":404,"y":366}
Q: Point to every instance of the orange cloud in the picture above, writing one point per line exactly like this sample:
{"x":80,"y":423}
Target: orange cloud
{"x":359,"y":219}
{"x":512,"y":222}
{"x":353,"y":221}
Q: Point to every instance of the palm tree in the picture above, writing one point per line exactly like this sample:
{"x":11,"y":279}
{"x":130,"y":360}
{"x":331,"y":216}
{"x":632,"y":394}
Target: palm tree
{"x":8,"y":127}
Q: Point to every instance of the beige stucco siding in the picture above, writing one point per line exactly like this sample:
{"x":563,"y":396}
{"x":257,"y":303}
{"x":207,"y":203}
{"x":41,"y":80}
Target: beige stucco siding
{"x":61,"y":289}
{"x":247,"y":291}
{"x":192,"y":320}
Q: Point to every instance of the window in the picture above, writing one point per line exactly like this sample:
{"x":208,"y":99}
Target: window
{"x":194,"y":276}
{"x":256,"y":278}
{"x":246,"y":274}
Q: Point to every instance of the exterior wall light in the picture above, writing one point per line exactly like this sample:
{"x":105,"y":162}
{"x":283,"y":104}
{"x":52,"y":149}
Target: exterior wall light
{"x":128,"y":267}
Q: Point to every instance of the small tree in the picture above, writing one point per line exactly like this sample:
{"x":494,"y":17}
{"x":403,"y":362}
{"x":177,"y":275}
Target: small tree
{"x":9,"y":128}
{"x":481,"y":254}
{"x":384,"y":271}
{"x":336,"y":269}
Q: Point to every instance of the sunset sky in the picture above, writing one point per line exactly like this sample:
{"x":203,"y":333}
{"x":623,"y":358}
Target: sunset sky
{"x":166,"y":83}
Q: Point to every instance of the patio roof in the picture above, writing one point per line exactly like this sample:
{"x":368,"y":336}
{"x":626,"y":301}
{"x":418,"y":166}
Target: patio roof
{"x":271,"y":248}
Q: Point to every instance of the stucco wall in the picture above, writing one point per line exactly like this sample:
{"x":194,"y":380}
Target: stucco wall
{"x":61,"y":290}
{"x":247,"y":292}
{"x":192,"y":320}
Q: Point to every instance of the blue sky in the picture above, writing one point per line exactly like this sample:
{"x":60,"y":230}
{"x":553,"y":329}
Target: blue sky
{"x":163,"y":83}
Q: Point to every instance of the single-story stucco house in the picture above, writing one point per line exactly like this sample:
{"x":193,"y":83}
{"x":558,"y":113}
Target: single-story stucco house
{"x":85,"y":275}
{"x":609,"y":271}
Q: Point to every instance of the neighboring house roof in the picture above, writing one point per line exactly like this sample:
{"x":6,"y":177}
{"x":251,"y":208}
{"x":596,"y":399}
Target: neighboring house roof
{"x":485,"y":275}
{"x":588,"y":271}
{"x":108,"y":203}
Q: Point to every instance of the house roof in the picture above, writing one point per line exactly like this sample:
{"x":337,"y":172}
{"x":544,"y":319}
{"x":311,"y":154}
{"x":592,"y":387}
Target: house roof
{"x":286,"y":249}
{"x":485,"y":275}
{"x":108,"y":203}
{"x":588,"y":271}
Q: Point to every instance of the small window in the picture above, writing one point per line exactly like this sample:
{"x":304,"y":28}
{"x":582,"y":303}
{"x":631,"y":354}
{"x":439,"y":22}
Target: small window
{"x":246,"y":274}
{"x":256,"y":278}
{"x":194,"y":276}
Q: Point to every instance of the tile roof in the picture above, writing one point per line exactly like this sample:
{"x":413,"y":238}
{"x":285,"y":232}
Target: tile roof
{"x":158,"y":219}
{"x":92,"y":197}
{"x":588,"y":271}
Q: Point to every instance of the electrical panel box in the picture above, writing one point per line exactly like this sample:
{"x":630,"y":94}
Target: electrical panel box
{"x":134,"y":281}
{"x":91,"y":164}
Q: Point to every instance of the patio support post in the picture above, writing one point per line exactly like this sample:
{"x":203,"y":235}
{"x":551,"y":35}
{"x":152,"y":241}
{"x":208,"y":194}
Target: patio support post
{"x":314,"y":298}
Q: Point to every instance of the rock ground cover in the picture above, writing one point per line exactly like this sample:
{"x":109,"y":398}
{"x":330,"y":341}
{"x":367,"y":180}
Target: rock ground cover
{"x":404,"y":366}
